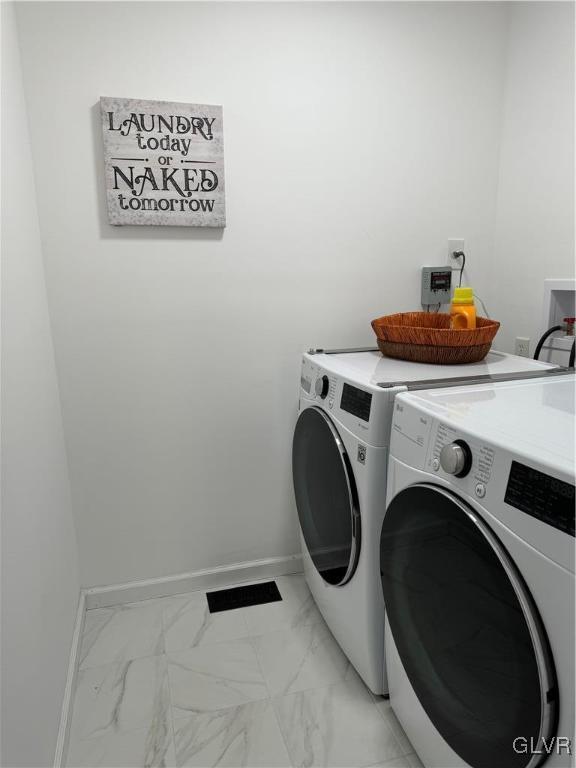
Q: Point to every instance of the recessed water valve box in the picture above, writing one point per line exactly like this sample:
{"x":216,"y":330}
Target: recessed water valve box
{"x":436,"y":285}
{"x":559,"y":303}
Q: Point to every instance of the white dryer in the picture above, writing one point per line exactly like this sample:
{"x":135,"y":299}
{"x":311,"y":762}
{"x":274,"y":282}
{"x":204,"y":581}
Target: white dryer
{"x":339,"y":457}
{"x":477,"y":565}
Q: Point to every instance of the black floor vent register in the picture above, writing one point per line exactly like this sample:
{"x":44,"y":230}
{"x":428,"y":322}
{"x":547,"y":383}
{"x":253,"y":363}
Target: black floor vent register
{"x":242,"y":597}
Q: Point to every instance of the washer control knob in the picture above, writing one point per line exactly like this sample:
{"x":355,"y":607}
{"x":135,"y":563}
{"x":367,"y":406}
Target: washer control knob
{"x":435,"y":464}
{"x":322,"y":386}
{"x":456,"y":458}
{"x":480,"y":490}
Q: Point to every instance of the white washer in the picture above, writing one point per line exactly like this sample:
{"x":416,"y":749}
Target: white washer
{"x":477,"y":564}
{"x":340,"y":451}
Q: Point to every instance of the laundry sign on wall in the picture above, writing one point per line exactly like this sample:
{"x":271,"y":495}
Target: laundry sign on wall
{"x":164,"y":163}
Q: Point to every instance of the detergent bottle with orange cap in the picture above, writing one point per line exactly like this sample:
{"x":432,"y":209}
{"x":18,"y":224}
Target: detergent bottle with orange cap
{"x":462,"y":309}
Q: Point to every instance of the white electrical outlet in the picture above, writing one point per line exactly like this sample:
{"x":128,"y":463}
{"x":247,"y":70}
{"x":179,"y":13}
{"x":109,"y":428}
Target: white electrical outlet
{"x":522,"y":346}
{"x":454,"y":244}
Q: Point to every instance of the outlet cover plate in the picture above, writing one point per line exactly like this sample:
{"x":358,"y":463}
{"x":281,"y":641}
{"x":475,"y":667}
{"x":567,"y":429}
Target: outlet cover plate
{"x":522,"y":346}
{"x":454,"y":244}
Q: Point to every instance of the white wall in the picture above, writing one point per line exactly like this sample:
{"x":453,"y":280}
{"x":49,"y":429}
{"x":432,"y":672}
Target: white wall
{"x":535,"y":214}
{"x":358,"y":138}
{"x":40,"y":580}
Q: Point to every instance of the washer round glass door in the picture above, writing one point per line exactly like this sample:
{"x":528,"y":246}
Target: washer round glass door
{"x":467,"y":631}
{"x":326,"y":497}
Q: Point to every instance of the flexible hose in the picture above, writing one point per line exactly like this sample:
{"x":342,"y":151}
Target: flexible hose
{"x":572,"y":353}
{"x":543,"y":338}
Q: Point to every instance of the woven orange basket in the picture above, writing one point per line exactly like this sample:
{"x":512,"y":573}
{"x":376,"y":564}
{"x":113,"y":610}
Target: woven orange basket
{"x":426,"y":337}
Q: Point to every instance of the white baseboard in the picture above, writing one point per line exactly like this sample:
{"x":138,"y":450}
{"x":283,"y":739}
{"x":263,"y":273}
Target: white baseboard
{"x":165,"y":586}
{"x":68,"y":700}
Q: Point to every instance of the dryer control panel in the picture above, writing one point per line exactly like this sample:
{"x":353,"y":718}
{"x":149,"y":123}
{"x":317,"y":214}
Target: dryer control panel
{"x":482,"y":456}
{"x":535,"y":502}
{"x":541,"y":496}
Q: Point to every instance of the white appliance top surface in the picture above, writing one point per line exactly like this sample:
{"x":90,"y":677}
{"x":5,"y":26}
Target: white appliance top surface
{"x":373,"y":368}
{"x":534,"y":417}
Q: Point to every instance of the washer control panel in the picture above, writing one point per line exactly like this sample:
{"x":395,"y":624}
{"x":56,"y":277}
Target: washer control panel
{"x":317,"y":384}
{"x":306,"y":382}
{"x":322,"y":386}
{"x":356,"y":401}
{"x":352,"y":401}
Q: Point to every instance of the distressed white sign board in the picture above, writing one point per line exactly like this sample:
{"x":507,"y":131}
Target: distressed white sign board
{"x":164,"y":163}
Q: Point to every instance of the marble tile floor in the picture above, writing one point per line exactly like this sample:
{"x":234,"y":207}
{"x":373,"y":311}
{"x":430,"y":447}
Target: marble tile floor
{"x":165,"y":683}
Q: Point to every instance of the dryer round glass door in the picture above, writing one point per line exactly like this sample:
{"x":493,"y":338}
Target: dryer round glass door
{"x":326,"y":496}
{"x":466,"y":629}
